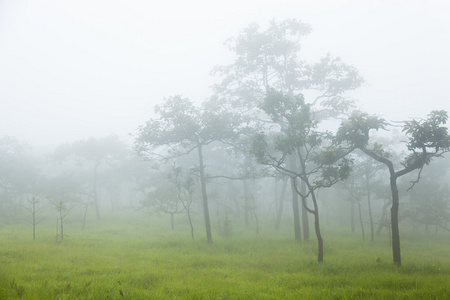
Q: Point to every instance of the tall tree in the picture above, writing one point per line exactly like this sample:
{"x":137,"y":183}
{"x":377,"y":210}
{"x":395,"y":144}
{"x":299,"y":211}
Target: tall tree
{"x":320,"y":165}
{"x":271,"y":58}
{"x":427,"y":139}
{"x":180,"y":127}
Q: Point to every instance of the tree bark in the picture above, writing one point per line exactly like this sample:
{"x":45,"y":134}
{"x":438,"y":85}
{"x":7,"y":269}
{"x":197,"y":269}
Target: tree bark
{"x":295,"y":208}
{"x":280,"y":204}
{"x":246,"y":203}
{"x":305,"y":216}
{"x":204,"y":195}
{"x":361,"y":221}
{"x":297,"y":229}
{"x":352,"y":216}
{"x":317,"y":228}
{"x":370,"y":209}
{"x":394,"y":221}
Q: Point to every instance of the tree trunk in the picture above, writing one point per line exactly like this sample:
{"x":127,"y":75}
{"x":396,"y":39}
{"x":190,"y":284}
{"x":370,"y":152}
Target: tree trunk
{"x":34,"y":218}
{"x":317,"y":228}
{"x":295,"y":208}
{"x":94,"y":191}
{"x":280,"y":204}
{"x":61,"y":218}
{"x":190,"y":224}
{"x":370,"y":209}
{"x":246,"y":203}
{"x":319,"y":237}
{"x":361,"y":221}
{"x":305,"y":216}
{"x":297,"y":229}
{"x":352,"y":216}
{"x":204,"y":195}
{"x":84,"y":215}
{"x":394,"y":221}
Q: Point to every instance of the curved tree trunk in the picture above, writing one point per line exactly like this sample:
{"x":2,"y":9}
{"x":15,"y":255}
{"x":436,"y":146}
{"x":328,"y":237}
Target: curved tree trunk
{"x":317,"y":228}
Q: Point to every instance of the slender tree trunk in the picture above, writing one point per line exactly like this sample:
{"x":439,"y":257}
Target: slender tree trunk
{"x":34,"y":218}
{"x":94,"y":191}
{"x":190,"y":223}
{"x":297,"y":229}
{"x":305,"y":216}
{"x":317,"y":228}
{"x":370,"y":209}
{"x":62,"y":223}
{"x":246,"y":203}
{"x":361,"y":221}
{"x":352,"y":216}
{"x":394,"y":221}
{"x":280,"y":204}
{"x":204,"y":195}
{"x":85,"y":215}
{"x":319,"y":237}
{"x":295,"y":208}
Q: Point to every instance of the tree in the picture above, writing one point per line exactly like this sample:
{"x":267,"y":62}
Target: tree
{"x":33,"y":208}
{"x":184,"y":182}
{"x":163,"y":199}
{"x":429,"y":201}
{"x":271,"y":58}
{"x":359,"y":184}
{"x":19,"y":176}
{"x":93,"y":152}
{"x":319,"y":166}
{"x":180,"y":128}
{"x":427,"y":139}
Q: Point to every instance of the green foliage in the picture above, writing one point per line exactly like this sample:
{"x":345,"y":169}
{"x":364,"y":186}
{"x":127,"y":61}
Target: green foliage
{"x":355,"y":130}
{"x":271,"y":58}
{"x":180,"y":126}
{"x":429,"y":134}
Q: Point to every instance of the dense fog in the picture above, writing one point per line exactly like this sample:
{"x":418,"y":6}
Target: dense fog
{"x":222,"y":116}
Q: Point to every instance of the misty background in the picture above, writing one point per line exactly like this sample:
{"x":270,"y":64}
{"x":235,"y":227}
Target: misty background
{"x":71,"y":70}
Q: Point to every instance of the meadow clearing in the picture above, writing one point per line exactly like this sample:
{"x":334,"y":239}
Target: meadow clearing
{"x":141,"y":259}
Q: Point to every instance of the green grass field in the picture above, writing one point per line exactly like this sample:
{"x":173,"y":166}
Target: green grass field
{"x":139,"y":260}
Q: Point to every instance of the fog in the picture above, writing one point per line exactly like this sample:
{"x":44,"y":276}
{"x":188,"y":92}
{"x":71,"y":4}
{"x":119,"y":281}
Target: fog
{"x":76,"y":69}
{"x":80,"y":80}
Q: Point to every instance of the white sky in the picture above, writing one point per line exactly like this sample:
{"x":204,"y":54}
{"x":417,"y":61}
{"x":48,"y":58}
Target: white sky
{"x":75,"y":69}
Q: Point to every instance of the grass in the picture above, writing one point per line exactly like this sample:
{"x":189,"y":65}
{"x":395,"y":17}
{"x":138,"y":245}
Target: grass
{"x":137,"y":260}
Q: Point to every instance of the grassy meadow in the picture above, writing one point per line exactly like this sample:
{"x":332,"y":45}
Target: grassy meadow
{"x":142,"y":259}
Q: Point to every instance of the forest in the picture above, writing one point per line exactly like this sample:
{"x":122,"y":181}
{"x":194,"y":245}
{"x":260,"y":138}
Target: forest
{"x":278,"y":162}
